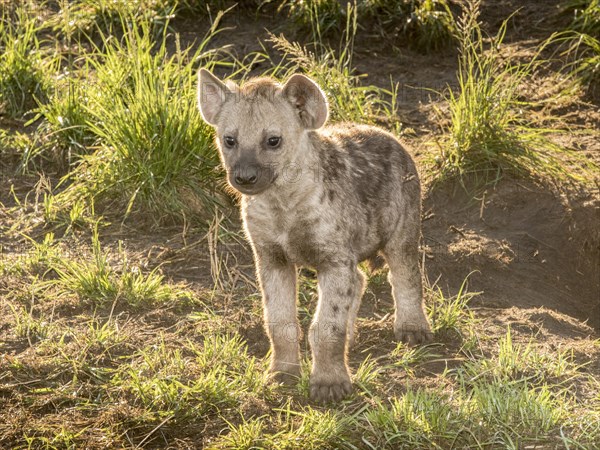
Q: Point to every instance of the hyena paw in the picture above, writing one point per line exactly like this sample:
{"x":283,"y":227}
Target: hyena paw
{"x":328,"y":390}
{"x":284,"y":373}
{"x":413,"y":334}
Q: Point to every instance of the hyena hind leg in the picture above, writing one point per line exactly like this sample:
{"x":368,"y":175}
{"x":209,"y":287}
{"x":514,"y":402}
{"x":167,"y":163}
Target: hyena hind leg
{"x":402,"y":255}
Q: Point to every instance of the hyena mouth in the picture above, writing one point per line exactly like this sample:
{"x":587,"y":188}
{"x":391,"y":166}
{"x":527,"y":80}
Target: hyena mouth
{"x":254,"y":186}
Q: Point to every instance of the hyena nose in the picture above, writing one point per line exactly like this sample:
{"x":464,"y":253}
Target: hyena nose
{"x":246,"y":179}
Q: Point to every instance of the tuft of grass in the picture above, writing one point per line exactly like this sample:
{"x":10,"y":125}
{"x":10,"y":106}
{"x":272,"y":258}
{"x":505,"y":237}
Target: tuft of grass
{"x":310,"y":429}
{"x":586,"y":16}
{"x":489,"y":135}
{"x":408,"y":358}
{"x":248,"y":435}
{"x":515,"y":362}
{"x":168,"y":384}
{"x":426,"y":25}
{"x":24,"y":78}
{"x":65,"y":127}
{"x":586,"y":67}
{"x":418,"y":419}
{"x":333,"y":70}
{"x":26,"y":325}
{"x":367,"y":375}
{"x":451,"y":315}
{"x":321,"y":17}
{"x":516,"y":412}
{"x":98,"y":282}
{"x":155,"y":153}
{"x":90,"y":19}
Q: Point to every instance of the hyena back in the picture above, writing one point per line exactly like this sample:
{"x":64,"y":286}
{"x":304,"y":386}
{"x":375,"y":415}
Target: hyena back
{"x":325,"y":197}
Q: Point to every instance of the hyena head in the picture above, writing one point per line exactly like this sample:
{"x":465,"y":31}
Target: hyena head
{"x":261,"y":125}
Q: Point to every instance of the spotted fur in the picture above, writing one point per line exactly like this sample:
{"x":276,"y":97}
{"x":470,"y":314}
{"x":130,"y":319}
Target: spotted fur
{"x":327,"y":197}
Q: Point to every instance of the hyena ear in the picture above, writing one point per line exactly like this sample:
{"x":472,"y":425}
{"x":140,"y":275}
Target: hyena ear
{"x":308,"y":98}
{"x":212,"y":93}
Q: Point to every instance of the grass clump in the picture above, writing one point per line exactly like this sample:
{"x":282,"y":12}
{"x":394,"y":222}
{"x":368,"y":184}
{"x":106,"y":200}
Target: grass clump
{"x":426,"y":25}
{"x":488,"y":134}
{"x":91,"y":19}
{"x":168,"y":382}
{"x":98,"y":282}
{"x":450,"y":316}
{"x":585,"y":69}
{"x":418,"y":419}
{"x":334,"y":72}
{"x":155,"y":153}
{"x":586,"y":16}
{"x":64,"y":130}
{"x":514,"y":413}
{"x":514,"y":362}
{"x":24,"y":79}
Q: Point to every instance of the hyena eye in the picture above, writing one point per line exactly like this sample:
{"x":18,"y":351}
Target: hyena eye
{"x":274,"y":141}
{"x":229,"y":141}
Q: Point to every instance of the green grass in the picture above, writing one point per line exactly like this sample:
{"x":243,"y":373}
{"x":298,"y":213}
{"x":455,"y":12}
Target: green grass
{"x":489,"y":133}
{"x":426,"y":25}
{"x":133,"y":380}
{"x":514,"y":361}
{"x":24,"y":71}
{"x":349,"y":99}
{"x":87,"y":20}
{"x":95,"y":280}
{"x":154,"y":153}
{"x":450,"y":315}
{"x":99,"y":349}
{"x":65,"y":134}
{"x":584,"y":70}
{"x":586,"y":16}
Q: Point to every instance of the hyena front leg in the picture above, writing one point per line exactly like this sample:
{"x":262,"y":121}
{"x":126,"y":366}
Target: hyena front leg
{"x":402,"y":255}
{"x":360,"y":285}
{"x":339,"y":287}
{"x":278,"y":283}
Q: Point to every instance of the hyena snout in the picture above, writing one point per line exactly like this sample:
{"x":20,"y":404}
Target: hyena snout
{"x":250,"y":177}
{"x":246,"y":176}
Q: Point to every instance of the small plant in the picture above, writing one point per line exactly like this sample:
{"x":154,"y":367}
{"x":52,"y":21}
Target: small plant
{"x":167,"y":383}
{"x":514,"y":362}
{"x":451,"y":315}
{"x":65,"y":129}
{"x":488,"y":134}
{"x":155,"y":155}
{"x":322,"y":17}
{"x":97,"y":281}
{"x":586,"y":67}
{"x":310,"y":429}
{"x":93,"y":18}
{"x":367,"y":374}
{"x":246,"y":436}
{"x":28,"y":326}
{"x":24,"y":79}
{"x":586,"y":16}
{"x":43,"y":255}
{"x":515,"y":409}
{"x":334,"y":72}
{"x":417,"y":420}
{"x":408,"y":358}
{"x":427,"y":25}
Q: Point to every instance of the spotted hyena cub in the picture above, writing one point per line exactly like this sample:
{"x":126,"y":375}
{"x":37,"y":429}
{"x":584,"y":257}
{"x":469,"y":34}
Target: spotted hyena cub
{"x":323,"y":197}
